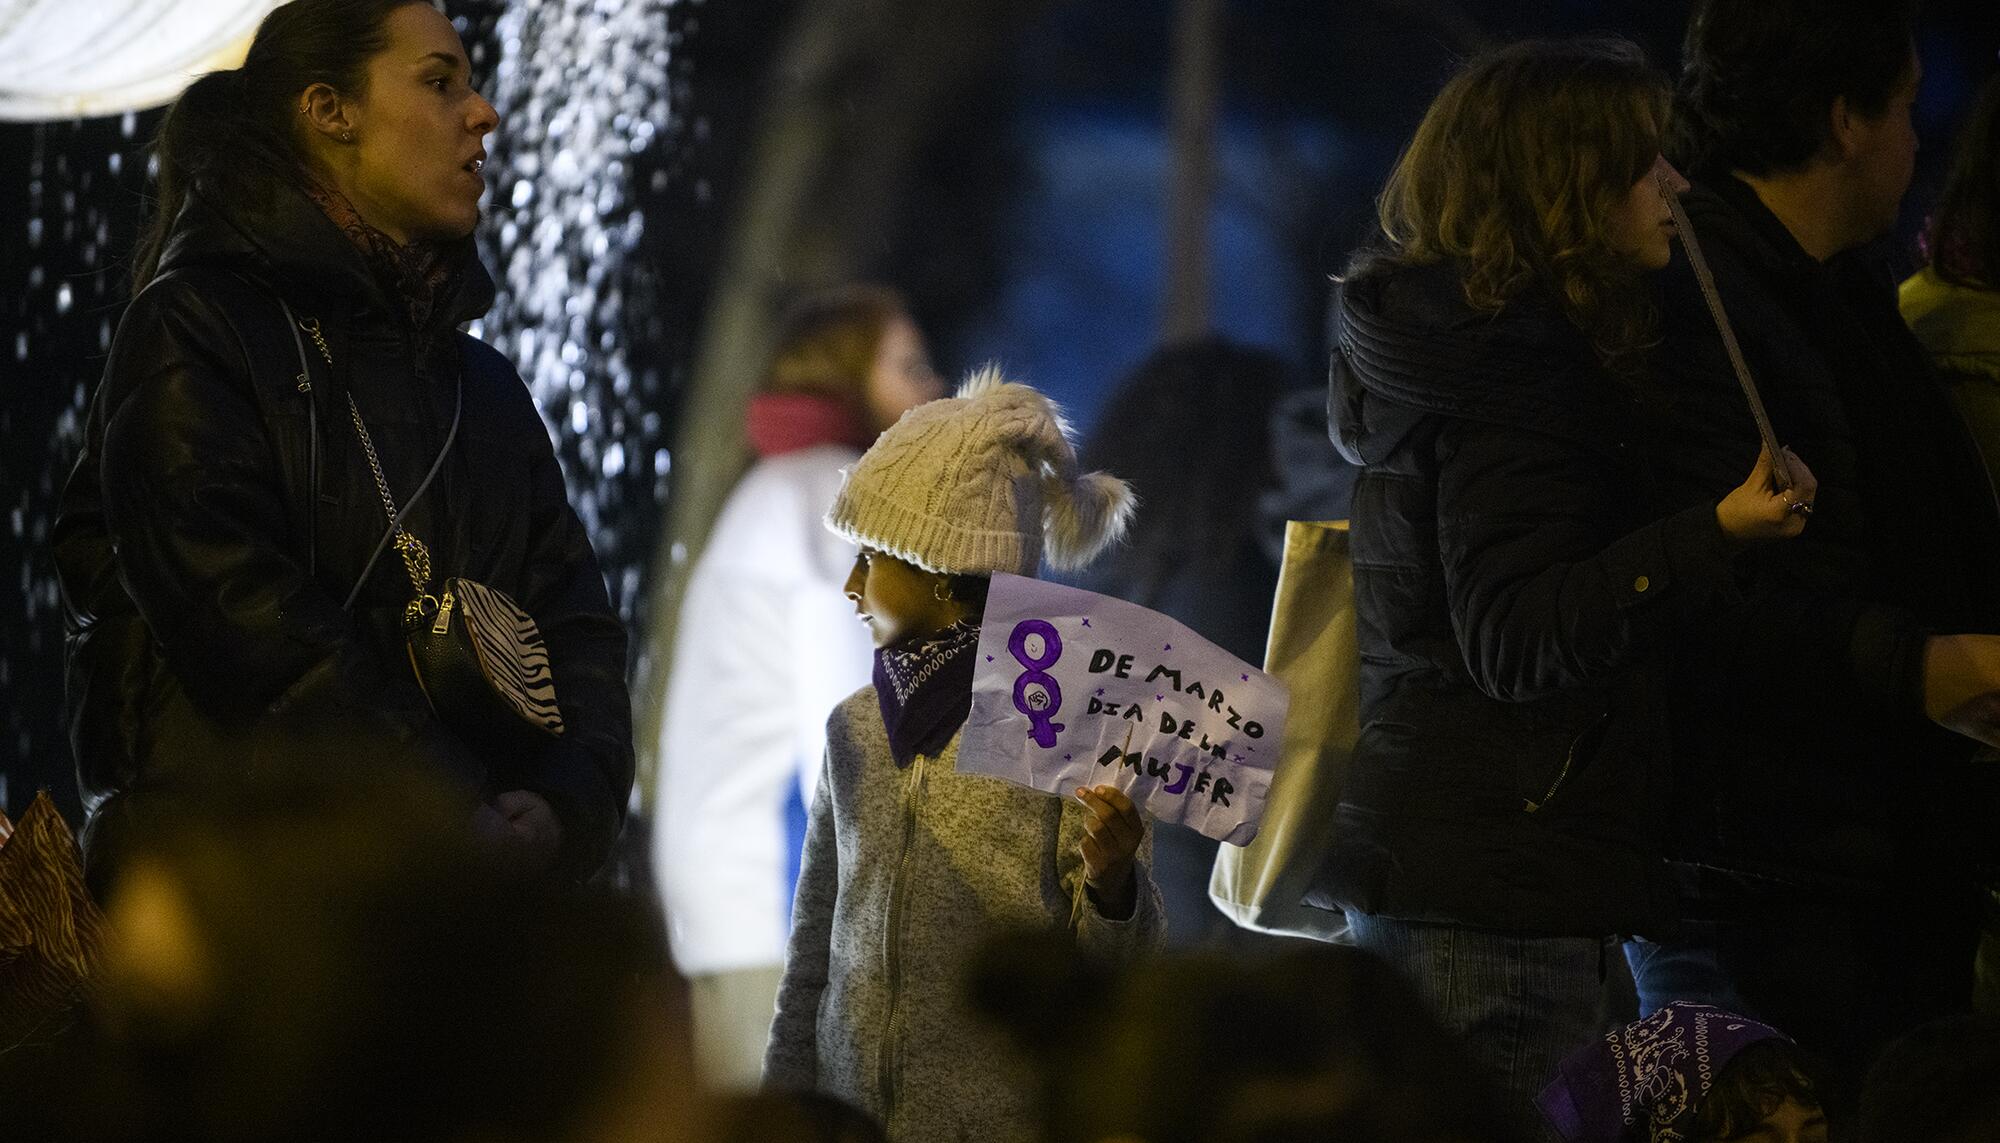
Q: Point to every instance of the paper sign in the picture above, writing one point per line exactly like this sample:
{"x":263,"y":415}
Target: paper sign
{"x":1072,"y":688}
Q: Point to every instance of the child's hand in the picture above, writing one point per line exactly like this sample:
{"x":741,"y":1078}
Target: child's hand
{"x":1111,"y":839}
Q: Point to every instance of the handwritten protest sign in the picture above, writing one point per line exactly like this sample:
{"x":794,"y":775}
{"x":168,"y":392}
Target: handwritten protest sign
{"x":1072,"y":688}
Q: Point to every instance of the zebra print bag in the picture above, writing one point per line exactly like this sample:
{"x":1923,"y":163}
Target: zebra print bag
{"x":481,"y":662}
{"x":478,"y":657}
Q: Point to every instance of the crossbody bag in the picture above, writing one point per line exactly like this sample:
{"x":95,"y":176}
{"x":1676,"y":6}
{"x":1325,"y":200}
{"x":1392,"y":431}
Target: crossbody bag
{"x":478,"y":656}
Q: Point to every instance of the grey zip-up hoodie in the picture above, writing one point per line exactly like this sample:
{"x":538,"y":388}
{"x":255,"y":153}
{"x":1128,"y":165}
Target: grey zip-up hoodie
{"x":906,"y":872}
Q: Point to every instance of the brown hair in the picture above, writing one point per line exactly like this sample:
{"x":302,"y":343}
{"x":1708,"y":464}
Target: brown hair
{"x":1752,"y":1085}
{"x":232,"y":134}
{"x":827,"y":343}
{"x":1516,"y":171}
{"x":1962,"y":238}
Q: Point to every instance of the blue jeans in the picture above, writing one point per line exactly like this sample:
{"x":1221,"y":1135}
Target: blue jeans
{"x":1688,"y":968}
{"x":1520,"y":1004}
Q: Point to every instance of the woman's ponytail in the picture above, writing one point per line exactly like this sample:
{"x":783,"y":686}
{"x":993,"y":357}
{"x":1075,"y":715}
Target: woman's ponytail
{"x":202,"y":125}
{"x":232,"y":135}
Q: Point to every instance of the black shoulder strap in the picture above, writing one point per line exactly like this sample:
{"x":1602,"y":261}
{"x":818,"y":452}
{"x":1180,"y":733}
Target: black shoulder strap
{"x":396,"y":521}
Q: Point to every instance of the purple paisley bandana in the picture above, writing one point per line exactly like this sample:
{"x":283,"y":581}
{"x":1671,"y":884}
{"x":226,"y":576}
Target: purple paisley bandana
{"x":1654,"y":1072}
{"x":925,"y":688}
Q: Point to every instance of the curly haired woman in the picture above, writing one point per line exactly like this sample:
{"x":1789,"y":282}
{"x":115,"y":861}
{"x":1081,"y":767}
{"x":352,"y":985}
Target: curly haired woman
{"x":1514,"y":579}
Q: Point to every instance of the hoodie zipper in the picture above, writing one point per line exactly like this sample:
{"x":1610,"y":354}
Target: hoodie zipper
{"x":1562,"y":775}
{"x":893,"y":940}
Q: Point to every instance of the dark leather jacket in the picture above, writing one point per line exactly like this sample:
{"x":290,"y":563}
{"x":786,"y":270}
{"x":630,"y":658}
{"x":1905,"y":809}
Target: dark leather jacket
{"x":1514,"y":581}
{"x":221,"y":512}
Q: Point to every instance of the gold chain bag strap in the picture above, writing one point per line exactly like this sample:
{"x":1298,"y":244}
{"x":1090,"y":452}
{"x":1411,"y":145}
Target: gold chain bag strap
{"x":477,"y":655}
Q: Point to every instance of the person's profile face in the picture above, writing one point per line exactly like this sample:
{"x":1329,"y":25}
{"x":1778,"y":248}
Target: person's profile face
{"x":1641,"y":228}
{"x":1884,"y":154}
{"x":1789,"y":1122}
{"x":418,"y":131}
{"x":896,"y":599}
{"x":901,"y":377}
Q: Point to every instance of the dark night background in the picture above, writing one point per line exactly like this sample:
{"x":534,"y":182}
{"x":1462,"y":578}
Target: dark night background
{"x":1027,"y":227}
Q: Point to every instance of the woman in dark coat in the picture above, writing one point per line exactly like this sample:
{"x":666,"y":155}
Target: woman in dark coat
{"x":220,"y":546}
{"x":1513,"y":577}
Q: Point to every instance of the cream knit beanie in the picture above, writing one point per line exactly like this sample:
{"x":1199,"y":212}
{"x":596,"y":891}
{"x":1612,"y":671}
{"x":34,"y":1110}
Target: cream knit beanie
{"x":981,"y":482}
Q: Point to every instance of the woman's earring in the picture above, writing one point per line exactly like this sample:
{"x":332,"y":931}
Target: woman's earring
{"x":347,"y":136}
{"x":941,"y":590}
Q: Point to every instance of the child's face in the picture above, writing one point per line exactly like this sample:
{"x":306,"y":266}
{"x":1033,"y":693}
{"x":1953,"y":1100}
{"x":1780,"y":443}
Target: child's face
{"x":1789,"y":1122}
{"x":898,"y":600}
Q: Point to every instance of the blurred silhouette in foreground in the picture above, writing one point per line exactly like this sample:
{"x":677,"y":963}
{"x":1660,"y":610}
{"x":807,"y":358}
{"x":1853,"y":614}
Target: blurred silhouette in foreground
{"x":1310,"y":1042}
{"x":1937,"y":1084}
{"x":338,"y":958}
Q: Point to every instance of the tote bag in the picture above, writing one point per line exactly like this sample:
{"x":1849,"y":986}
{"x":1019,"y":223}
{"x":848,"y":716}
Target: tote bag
{"x":1312,"y":648}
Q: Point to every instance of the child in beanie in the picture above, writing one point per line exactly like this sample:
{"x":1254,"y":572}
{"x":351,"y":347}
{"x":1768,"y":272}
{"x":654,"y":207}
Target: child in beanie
{"x":909,"y":865}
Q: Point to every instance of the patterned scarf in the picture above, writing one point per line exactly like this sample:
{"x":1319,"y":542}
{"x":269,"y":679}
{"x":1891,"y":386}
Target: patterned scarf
{"x":1655,"y":1072}
{"x":925,"y":688}
{"x":415,"y":274}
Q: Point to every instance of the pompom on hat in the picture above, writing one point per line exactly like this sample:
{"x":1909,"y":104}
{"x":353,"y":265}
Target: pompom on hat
{"x":985,"y":481}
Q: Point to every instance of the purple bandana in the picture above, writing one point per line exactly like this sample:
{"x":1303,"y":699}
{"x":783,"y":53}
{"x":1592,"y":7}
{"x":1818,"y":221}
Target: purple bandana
{"x":1659,"y":1068}
{"x":925,"y":688}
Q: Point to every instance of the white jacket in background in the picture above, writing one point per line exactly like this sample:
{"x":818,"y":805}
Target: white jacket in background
{"x":767,"y":645}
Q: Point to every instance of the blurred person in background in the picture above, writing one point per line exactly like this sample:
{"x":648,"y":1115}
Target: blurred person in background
{"x":1953,"y":306}
{"x":766,"y":645}
{"x":221,"y":541}
{"x":1191,"y":431}
{"x":1517,"y":580}
{"x":1831,"y":822}
{"x":1953,"y":303}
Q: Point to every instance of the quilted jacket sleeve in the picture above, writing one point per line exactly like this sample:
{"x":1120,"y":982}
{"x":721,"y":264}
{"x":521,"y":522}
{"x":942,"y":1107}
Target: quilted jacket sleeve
{"x":1545,"y":593}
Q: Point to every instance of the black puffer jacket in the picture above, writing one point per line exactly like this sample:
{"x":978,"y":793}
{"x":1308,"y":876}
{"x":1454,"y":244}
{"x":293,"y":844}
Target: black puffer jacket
{"x":1511,"y":580}
{"x":1799,"y":720}
{"x":220,"y":514}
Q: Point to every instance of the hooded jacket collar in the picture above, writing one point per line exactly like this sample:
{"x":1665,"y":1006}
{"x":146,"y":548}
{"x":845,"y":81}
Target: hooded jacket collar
{"x":1726,"y":211}
{"x":1411,"y":346}
{"x":288,"y":243}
